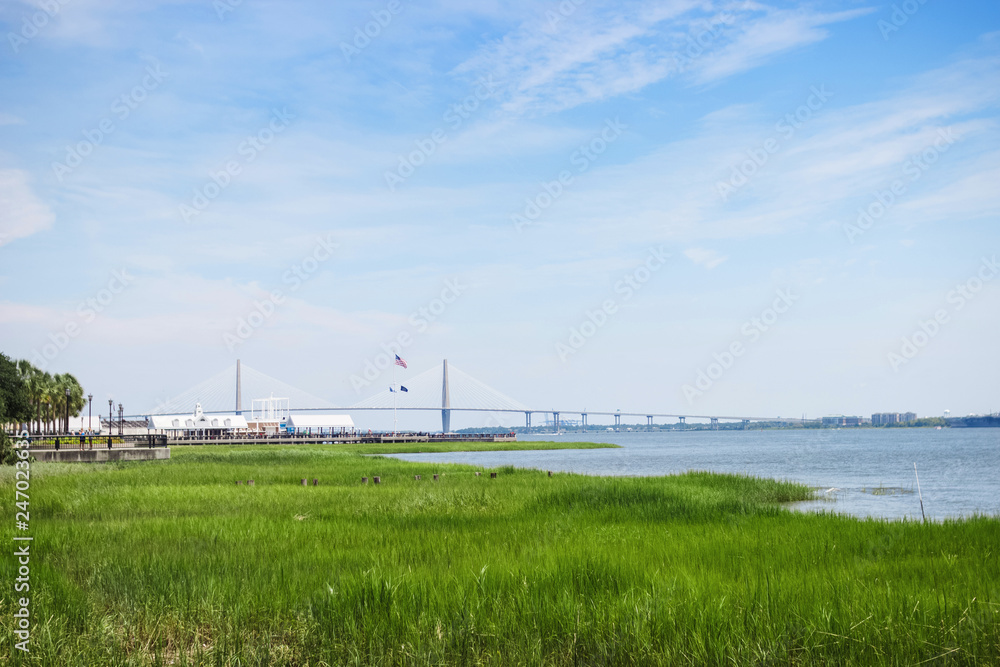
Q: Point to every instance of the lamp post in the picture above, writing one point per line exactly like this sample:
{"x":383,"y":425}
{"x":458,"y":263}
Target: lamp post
{"x":121,"y":420}
{"x":111,"y":414}
{"x":90,"y":413}
{"x":67,"y":411}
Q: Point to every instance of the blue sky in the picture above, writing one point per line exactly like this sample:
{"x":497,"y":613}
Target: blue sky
{"x":609,"y":196}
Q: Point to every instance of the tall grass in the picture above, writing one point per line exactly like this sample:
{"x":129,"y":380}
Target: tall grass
{"x":173,"y":563}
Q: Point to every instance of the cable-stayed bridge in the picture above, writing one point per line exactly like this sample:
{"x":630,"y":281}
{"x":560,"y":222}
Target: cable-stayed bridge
{"x":445,"y":389}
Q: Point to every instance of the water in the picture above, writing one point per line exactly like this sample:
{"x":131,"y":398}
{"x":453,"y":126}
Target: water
{"x":959,"y":468}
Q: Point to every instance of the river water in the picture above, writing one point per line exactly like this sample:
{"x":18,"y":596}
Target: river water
{"x":862,"y":472}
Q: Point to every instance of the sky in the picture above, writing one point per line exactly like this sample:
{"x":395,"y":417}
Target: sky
{"x":687,"y":207}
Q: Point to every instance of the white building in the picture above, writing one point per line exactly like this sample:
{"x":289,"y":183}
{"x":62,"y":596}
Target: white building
{"x":198,"y":424}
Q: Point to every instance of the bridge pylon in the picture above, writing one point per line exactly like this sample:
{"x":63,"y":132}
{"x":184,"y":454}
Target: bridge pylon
{"x":445,"y":400}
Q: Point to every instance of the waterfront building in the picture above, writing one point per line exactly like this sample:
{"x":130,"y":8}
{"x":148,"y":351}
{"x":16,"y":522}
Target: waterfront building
{"x":198,"y":424}
{"x":887,"y":418}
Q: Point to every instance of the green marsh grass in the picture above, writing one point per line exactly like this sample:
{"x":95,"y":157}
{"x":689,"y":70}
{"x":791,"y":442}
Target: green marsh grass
{"x":173,"y":563}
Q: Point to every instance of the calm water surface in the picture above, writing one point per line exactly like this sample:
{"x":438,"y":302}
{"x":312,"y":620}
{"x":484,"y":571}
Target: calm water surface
{"x":959,"y":468}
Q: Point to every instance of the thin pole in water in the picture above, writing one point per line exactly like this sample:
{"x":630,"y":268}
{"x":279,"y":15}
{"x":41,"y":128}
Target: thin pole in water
{"x":919,"y":493}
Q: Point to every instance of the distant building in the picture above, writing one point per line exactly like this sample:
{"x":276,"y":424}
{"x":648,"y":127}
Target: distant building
{"x":887,"y":418}
{"x":842,"y":420}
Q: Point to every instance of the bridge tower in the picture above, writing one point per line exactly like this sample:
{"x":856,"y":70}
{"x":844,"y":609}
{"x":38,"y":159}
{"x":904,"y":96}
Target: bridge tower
{"x":239,"y":390}
{"x":445,"y":402}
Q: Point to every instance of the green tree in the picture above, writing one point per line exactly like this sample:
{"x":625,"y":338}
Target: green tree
{"x":15,"y":405}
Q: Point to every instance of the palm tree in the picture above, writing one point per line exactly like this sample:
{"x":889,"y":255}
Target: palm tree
{"x":49,"y":398}
{"x":67,"y":390}
{"x":47,"y":395}
{"x":32,"y":378}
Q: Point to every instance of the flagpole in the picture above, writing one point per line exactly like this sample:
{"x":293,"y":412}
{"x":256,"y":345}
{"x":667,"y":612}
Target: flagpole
{"x":393,"y":388}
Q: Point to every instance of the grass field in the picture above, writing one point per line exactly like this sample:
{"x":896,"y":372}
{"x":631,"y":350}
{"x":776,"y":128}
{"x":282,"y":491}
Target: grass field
{"x":173,"y":563}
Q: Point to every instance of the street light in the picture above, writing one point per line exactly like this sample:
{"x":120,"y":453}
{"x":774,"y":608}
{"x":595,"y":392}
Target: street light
{"x":111,"y":414}
{"x":67,"y":410}
{"x":121,"y":419}
{"x":90,"y":413}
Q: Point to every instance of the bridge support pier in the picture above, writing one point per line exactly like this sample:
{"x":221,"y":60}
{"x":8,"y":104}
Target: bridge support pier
{"x":682,"y":421}
{"x":527,"y":420}
{"x":555,"y":420}
{"x":618,"y":421}
{"x":715,"y":423}
{"x":746,"y":424}
{"x":583,"y":417}
{"x":649,"y":420}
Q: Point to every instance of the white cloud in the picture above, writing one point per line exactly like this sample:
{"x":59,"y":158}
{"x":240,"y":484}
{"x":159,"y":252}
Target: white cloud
{"x":22,"y":213}
{"x":596,"y":52}
{"x":704,"y":257}
{"x":760,"y":38}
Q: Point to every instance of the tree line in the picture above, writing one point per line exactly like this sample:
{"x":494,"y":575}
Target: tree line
{"x":35,"y":401}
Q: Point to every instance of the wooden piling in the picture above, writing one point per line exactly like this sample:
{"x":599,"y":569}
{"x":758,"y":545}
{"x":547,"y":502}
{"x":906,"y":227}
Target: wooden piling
{"x":493,"y":475}
{"x":239,"y":482}
{"x":315,"y":482}
{"x":303,"y":481}
{"x":364,"y":480}
{"x":249,"y":482}
{"x":377,"y":480}
{"x":416,"y":478}
{"x":478,"y":474}
{"x":435,"y":478}
{"x":550,"y":473}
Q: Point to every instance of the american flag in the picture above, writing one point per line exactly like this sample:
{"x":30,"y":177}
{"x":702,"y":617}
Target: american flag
{"x":400,"y":362}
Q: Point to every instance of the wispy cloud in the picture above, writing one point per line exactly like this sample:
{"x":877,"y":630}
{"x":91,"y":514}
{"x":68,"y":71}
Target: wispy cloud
{"x":705,"y":257}
{"x":599,"y":52}
{"x":761,"y":37}
{"x":22,"y":213}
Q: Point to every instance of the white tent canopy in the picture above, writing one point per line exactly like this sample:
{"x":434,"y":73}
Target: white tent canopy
{"x":321,"y":423}
{"x":78,"y":424}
